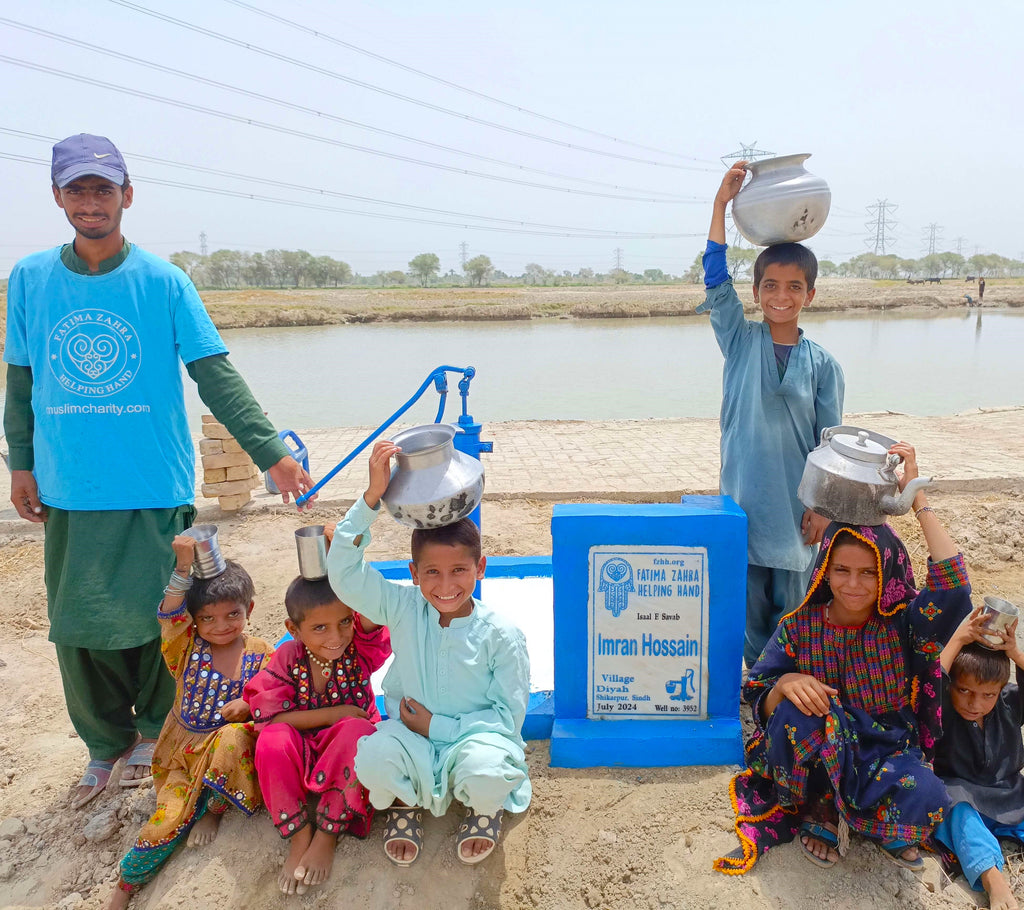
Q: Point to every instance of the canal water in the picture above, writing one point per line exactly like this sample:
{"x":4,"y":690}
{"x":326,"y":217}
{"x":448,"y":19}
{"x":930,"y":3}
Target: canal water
{"x":612,"y":369}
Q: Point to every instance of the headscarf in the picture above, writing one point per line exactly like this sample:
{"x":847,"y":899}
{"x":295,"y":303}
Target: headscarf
{"x":895,"y":573}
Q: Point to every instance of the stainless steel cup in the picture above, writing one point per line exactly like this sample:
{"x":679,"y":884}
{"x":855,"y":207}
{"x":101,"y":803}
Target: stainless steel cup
{"x":999,"y":615}
{"x":312,"y":547}
{"x":209,"y":563}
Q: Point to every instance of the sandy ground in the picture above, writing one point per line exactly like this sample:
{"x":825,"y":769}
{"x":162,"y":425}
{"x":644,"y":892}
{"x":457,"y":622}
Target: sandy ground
{"x":596,"y":838}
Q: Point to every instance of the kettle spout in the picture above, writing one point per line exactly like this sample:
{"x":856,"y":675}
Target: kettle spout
{"x":900,"y":505}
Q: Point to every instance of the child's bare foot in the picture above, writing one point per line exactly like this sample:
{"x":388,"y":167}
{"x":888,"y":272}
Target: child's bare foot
{"x":298,"y":843}
{"x":204,"y":831}
{"x":118,"y":899}
{"x":315,"y":865}
{"x":1000,"y":897}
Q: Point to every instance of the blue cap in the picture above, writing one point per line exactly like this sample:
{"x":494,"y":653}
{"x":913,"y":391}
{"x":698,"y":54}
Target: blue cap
{"x":85,"y":155}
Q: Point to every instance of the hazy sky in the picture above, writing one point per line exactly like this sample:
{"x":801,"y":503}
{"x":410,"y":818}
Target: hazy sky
{"x":918,"y":102}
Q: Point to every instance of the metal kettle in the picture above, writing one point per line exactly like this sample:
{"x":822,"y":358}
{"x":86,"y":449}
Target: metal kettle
{"x":432,"y":483}
{"x":850,"y":477}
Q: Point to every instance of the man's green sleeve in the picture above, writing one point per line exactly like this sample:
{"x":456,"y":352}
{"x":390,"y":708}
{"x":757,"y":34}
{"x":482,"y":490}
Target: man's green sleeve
{"x":229,"y":399}
{"x":19,"y":421}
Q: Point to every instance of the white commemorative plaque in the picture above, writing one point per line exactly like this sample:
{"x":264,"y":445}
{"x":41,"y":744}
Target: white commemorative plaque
{"x":648,"y":632}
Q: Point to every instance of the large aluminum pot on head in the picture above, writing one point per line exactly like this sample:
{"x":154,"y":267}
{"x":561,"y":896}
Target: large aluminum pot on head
{"x":432,"y":483}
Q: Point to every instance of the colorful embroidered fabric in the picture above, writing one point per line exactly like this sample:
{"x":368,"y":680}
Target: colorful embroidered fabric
{"x":198,"y":762}
{"x":868,"y":755}
{"x":291,"y":763}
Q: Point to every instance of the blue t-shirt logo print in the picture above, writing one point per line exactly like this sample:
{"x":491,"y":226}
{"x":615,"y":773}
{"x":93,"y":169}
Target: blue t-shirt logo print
{"x":94,"y":353}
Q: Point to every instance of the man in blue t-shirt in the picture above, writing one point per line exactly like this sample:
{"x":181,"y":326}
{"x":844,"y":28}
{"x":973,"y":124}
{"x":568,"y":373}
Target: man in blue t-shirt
{"x":101,"y":452}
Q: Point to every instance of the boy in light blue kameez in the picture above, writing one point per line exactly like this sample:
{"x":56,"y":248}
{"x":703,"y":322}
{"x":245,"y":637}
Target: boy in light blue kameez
{"x":456,"y":693}
{"x":779,"y":391}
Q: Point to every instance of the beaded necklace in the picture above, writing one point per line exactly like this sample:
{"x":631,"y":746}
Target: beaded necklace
{"x":326,"y":666}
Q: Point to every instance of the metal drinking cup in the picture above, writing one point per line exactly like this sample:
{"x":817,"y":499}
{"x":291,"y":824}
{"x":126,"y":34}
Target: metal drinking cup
{"x":312,"y":547}
{"x":209,"y":563}
{"x":999,"y":615}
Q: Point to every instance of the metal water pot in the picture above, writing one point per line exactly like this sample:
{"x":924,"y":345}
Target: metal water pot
{"x":432,"y":483}
{"x":851,"y":478}
{"x":782,"y":202}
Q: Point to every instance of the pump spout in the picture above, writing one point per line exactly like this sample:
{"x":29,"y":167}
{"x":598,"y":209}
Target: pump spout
{"x":900,"y":505}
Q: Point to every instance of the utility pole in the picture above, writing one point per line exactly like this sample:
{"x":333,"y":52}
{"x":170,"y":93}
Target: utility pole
{"x":463,"y":253}
{"x":882,"y":224}
{"x":933,"y":231}
{"x":202,"y":243}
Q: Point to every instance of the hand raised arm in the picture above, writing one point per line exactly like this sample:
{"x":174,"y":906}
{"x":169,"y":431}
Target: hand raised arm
{"x":380,"y":471}
{"x":940,"y":544}
{"x":732,"y":183}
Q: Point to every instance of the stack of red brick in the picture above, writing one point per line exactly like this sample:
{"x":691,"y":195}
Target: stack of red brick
{"x":229,"y":475}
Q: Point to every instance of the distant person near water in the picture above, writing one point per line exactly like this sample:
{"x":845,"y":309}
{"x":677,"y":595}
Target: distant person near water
{"x":981,"y":289}
{"x":100,"y":449}
{"x":779,"y":391}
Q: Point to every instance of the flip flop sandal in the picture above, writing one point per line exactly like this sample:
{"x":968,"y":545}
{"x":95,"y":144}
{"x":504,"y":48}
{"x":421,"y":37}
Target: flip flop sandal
{"x":403,"y":823}
{"x":96,"y":775}
{"x":821,"y":833}
{"x":141,"y":757}
{"x":895,"y":850}
{"x":478,"y":827}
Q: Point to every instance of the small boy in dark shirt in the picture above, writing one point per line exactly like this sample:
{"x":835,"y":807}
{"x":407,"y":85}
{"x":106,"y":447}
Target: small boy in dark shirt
{"x":981,"y":754}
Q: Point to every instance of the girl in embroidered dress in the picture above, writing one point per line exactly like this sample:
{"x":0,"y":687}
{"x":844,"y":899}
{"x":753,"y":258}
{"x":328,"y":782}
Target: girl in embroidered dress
{"x":846,"y":699}
{"x":203,"y":760}
{"x":311,"y":705}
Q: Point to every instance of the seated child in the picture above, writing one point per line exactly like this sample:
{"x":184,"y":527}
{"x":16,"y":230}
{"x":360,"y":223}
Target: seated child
{"x":845,"y":699}
{"x":311,"y":704}
{"x":204,"y":757}
{"x":456,"y":693}
{"x":980,"y":755}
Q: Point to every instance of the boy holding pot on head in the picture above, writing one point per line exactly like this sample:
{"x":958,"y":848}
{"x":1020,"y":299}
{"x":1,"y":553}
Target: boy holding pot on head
{"x":456,"y":693}
{"x":980,"y":755}
{"x":779,"y":391}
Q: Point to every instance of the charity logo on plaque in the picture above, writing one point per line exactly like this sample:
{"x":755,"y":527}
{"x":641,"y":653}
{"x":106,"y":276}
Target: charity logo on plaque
{"x":648,"y":629}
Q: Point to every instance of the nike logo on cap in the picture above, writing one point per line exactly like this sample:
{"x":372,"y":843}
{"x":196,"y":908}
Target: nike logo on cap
{"x":107,"y":155}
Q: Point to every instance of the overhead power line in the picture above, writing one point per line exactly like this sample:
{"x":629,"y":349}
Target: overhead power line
{"x":323,"y":36}
{"x":322,"y":115}
{"x":319,"y":191}
{"x":256,"y":197}
{"x":261,"y":124}
{"x":332,"y":74}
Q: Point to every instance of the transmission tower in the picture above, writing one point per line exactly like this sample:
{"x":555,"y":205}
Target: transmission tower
{"x":202,"y":243}
{"x":960,"y":245}
{"x":618,"y":259}
{"x":463,"y":252}
{"x":882,"y":227}
{"x":746,"y":153}
{"x":931,"y":233}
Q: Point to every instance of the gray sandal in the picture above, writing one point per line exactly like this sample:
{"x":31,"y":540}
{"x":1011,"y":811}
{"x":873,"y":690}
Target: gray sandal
{"x":478,"y":827}
{"x":403,"y":823}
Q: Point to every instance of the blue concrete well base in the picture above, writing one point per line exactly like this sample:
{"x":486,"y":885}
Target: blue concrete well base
{"x":645,"y":744}
{"x":649,"y":610}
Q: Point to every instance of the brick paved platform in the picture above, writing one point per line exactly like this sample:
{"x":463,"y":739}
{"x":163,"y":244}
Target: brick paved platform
{"x":661,"y":459}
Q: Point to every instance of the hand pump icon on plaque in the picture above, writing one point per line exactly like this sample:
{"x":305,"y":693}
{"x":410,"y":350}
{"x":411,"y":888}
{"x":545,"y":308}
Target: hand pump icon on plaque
{"x":683,"y":685}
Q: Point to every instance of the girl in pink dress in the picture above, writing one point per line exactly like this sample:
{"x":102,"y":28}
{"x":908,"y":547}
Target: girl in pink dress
{"x":311,"y":705}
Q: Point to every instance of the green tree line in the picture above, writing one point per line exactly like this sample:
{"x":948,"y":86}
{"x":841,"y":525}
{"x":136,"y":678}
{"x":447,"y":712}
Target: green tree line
{"x":300,"y":269}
